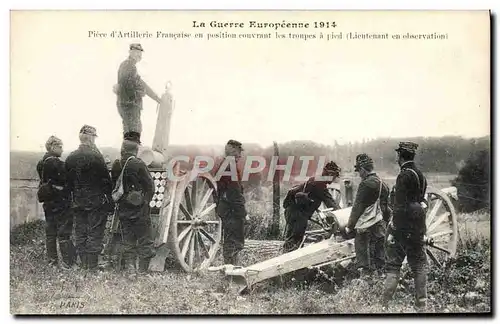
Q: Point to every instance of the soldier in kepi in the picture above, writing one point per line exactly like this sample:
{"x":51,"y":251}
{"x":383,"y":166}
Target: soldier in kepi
{"x":133,"y":207}
{"x":89,"y":183}
{"x":231,"y":207}
{"x":369,"y":216}
{"x":56,"y":204}
{"x":129,"y":90}
{"x":407,"y":228}
{"x":302,"y":201}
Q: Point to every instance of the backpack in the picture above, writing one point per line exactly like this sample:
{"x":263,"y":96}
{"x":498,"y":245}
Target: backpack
{"x":291,"y":196}
{"x":45,"y":190}
{"x":118,"y":191}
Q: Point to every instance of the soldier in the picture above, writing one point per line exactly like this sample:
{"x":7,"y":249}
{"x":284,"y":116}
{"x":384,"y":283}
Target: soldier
{"x":56,"y":205}
{"x":368,"y":217}
{"x":133,"y":207}
{"x":89,"y":182}
{"x":231,"y":207}
{"x":302,"y":201}
{"x":129,"y":90}
{"x":405,"y":233}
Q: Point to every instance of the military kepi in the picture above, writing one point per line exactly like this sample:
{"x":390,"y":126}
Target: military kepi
{"x":88,"y":130}
{"x":332,"y":167}
{"x":136,"y":46}
{"x":362,"y":160}
{"x":407,"y":146}
{"x":235,"y":143}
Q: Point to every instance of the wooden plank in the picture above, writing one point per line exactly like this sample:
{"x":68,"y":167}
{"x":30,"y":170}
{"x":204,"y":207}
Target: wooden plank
{"x":324,"y":251}
{"x":163,"y":120}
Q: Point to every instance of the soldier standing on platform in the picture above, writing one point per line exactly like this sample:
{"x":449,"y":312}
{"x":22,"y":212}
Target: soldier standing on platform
{"x":89,"y":183}
{"x":406,"y":231}
{"x":129,"y":90}
{"x":133,"y":207}
{"x":369,"y":216}
{"x":302,"y":201}
{"x":231,"y":207}
{"x":56,"y":204}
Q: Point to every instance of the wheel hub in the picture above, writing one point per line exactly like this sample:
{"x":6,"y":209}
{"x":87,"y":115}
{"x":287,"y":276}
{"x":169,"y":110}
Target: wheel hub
{"x":198,"y":222}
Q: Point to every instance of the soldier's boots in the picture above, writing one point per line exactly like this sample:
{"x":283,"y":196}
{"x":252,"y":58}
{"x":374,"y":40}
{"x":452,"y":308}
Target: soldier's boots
{"x":133,"y":136}
{"x":390,"y":286}
{"x":50,"y":245}
{"x":83,"y":261}
{"x":143,"y":265}
{"x":420,"y":291}
{"x":68,"y":253}
{"x":129,"y":265}
{"x":232,"y":259}
{"x":92,"y":261}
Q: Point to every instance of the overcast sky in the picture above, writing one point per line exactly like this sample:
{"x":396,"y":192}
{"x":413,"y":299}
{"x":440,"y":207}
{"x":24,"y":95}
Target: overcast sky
{"x":252,"y":90}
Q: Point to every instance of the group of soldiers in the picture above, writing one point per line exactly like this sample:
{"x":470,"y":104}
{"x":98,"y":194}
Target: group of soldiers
{"x":80,"y":195}
{"x":387,"y":226}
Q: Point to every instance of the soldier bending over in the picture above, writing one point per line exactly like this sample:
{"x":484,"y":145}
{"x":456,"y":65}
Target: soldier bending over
{"x":302,"y":201}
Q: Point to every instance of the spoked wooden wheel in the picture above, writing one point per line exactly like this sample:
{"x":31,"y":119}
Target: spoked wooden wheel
{"x":195,"y":229}
{"x":442,"y":227}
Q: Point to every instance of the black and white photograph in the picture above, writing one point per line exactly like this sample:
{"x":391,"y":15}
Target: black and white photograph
{"x":250,"y":162}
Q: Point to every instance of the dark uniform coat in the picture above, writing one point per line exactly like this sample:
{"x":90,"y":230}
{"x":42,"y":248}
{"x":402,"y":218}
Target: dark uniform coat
{"x":406,"y":232}
{"x":135,"y":220}
{"x":411,"y":185}
{"x":369,"y":242}
{"x":299,"y":210}
{"x":58,"y":216}
{"x":366,"y":195}
{"x":231,"y":209}
{"x":130,"y":91}
{"x":89,"y":183}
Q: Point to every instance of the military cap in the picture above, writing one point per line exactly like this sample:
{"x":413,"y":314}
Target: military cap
{"x":362,"y":160}
{"x":53,"y":140}
{"x":88,"y":130}
{"x":136,"y":46}
{"x":332,"y":167}
{"x":235,"y":143}
{"x":407,"y":146}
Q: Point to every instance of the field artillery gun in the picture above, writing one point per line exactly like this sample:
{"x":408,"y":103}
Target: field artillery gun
{"x":186,"y":225}
{"x":328,"y":245}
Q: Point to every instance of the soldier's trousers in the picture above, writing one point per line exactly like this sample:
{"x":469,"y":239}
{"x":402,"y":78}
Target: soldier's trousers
{"x":131,"y":117}
{"x":369,"y":247}
{"x":137,"y":238}
{"x":296,"y":225}
{"x":58,"y":229}
{"x":410,"y":246}
{"x":89,"y":231}
{"x":233,"y":232}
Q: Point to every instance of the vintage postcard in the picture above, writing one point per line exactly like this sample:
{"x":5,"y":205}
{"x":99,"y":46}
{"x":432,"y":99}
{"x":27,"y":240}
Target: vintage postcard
{"x":250,"y":162}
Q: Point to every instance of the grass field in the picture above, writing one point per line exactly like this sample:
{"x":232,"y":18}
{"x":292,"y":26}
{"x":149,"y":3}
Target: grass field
{"x":36,"y":288}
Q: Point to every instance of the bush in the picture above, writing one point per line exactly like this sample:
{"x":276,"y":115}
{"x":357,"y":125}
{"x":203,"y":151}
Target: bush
{"x":473,"y":182}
